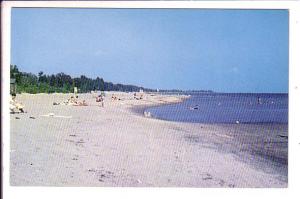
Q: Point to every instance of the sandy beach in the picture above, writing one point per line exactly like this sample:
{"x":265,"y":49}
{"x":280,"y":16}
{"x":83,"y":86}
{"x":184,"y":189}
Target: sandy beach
{"x":116,"y":145}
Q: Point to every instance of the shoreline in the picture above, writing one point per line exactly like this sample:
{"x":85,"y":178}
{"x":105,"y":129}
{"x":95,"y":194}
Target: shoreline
{"x":259,"y":154}
{"x":140,"y":110}
{"x":115,"y":146}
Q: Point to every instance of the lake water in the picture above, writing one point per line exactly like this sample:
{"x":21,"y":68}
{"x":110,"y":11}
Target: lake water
{"x":226,"y":108}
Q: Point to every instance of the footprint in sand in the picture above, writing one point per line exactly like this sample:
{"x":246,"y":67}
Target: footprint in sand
{"x":221,"y":182}
{"x":102,"y":174}
{"x":207,"y":176}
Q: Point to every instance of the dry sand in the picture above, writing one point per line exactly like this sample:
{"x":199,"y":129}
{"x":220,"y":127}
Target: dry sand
{"x":114,"y":146}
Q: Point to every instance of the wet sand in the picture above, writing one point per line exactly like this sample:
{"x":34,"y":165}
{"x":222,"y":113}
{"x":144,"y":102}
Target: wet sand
{"x":115,"y":146}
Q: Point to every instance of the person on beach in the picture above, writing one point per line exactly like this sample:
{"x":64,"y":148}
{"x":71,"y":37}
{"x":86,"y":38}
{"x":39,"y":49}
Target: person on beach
{"x":259,"y":101}
{"x":136,"y":97}
{"x":113,"y":97}
{"x":15,"y":106}
{"x":72,"y":99}
{"x":83,"y":103}
{"x":100,"y":100}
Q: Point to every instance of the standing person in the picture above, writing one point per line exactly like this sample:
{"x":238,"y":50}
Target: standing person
{"x":100,"y":100}
{"x":259,"y":101}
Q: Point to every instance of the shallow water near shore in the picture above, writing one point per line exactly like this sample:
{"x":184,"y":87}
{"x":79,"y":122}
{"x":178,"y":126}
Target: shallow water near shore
{"x":226,"y":108}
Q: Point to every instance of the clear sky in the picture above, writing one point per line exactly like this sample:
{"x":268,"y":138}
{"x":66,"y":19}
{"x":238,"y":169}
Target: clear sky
{"x":220,"y":50}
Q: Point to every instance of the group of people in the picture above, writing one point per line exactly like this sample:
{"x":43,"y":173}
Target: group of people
{"x":16,"y":107}
{"x":72,"y":101}
{"x":99,"y":99}
{"x":75,"y":102}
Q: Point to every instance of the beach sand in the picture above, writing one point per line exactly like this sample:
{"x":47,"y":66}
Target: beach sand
{"x":115,"y":145}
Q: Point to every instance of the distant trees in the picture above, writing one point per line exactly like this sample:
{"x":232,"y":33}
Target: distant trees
{"x":63,"y":83}
{"x":15,"y":73}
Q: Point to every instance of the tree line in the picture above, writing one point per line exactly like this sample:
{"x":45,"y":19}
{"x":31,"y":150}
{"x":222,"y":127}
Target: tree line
{"x":63,"y":83}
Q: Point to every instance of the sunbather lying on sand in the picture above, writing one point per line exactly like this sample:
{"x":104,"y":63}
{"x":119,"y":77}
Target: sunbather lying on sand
{"x":67,"y":102}
{"x":113,"y":97}
{"x":135,"y":96}
{"x":72,"y":101}
{"x":83,"y":103}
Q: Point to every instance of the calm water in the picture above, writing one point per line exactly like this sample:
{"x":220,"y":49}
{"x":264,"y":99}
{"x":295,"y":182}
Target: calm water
{"x":226,"y":108}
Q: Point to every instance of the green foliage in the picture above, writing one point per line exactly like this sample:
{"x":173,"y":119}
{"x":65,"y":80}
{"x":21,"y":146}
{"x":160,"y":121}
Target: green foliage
{"x":63,"y":83}
{"x":14,"y":73}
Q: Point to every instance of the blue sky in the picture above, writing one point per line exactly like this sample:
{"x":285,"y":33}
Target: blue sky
{"x":220,"y":50}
